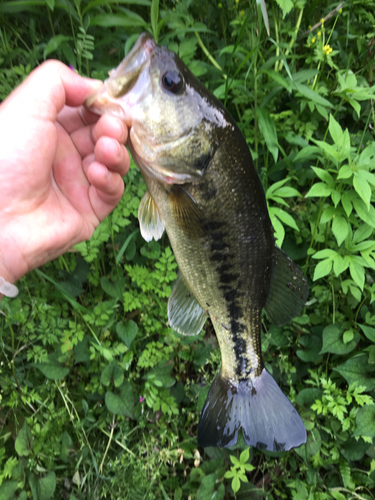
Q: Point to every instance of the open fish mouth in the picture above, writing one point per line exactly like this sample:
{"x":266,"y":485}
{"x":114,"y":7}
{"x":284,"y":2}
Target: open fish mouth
{"x":115,"y":97}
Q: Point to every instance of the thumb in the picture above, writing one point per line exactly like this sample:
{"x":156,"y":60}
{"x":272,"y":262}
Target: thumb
{"x":47,"y":89}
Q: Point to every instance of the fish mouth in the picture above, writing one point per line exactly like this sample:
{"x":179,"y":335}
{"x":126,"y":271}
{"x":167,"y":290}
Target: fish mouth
{"x":114,"y":97}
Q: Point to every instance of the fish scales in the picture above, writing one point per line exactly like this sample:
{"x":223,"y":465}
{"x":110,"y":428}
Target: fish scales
{"x":203,"y":189}
{"x":235,"y":298}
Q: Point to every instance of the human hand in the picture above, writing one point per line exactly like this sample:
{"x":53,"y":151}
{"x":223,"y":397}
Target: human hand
{"x":61,"y":168}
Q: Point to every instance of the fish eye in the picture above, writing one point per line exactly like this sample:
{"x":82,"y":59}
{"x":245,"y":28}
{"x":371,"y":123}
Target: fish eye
{"x":173,"y":82}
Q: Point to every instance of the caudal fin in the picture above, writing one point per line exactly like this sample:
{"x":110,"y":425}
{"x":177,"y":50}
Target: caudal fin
{"x":267,"y":418}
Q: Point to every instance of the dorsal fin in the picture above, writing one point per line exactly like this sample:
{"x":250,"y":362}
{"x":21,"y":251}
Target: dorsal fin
{"x":150,"y":223}
{"x":185,"y":314}
{"x":288,"y":290}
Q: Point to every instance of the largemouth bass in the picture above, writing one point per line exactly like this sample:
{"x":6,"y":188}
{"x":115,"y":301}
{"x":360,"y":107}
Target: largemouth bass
{"x":202,"y":188}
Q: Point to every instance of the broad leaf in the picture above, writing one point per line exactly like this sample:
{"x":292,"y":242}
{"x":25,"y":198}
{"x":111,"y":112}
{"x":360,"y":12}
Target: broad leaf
{"x":365,"y":421}
{"x":357,"y":370}
{"x":333,"y":340}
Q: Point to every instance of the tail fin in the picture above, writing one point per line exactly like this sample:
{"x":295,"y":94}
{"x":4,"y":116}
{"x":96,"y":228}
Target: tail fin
{"x":268,"y":419}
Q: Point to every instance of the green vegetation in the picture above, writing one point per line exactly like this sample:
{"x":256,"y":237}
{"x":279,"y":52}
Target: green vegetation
{"x":99,"y":398}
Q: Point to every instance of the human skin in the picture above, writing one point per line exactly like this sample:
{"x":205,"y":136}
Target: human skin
{"x":61,"y":168}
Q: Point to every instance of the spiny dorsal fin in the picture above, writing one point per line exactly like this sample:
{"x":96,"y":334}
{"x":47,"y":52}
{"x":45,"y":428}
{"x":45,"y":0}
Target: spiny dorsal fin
{"x":150,"y":223}
{"x":185,"y":315}
{"x":188,"y":215}
{"x":288,"y":290}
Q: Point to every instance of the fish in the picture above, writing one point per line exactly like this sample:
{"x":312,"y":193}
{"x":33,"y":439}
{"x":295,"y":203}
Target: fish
{"x":203,"y":190}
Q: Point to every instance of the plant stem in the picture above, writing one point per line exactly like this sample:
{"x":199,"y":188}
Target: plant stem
{"x":207,"y":53}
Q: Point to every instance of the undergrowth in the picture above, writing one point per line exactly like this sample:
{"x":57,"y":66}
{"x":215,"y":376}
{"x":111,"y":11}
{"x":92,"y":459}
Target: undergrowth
{"x":99,"y":397}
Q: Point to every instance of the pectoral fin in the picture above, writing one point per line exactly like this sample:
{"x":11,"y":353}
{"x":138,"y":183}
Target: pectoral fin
{"x":288,"y":291}
{"x":150,"y":223}
{"x":187,"y":214}
{"x":185,"y":314}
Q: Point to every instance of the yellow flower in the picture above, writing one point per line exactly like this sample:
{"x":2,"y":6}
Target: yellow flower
{"x":242,"y":12}
{"x":319,"y":34}
{"x":327,"y":49}
{"x":313,"y":40}
{"x":322,"y":20}
{"x":237,"y":1}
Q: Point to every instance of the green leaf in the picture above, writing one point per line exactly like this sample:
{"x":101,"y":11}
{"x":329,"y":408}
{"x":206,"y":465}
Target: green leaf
{"x":336,"y":131}
{"x":66,"y":444}
{"x":312,"y":446}
{"x":284,"y":217}
{"x":369,"y":332}
{"x":154,"y":18}
{"x":113,"y":290}
{"x":362,"y":187}
{"x":47,"y":485}
{"x":320,"y":189}
{"x":327,"y":253}
{"x":312,"y":95}
{"x":345,"y":172}
{"x":357,"y":370}
{"x":51,"y":4}
{"x":112,"y":372}
{"x":356,"y":105}
{"x":285,"y":5}
{"x":340,"y":229}
{"x":207,"y":487}
{"x":357,"y":272}
{"x":8,"y":489}
{"x":277,"y":78}
{"x":336,"y":494}
{"x":308,"y":396}
{"x":127,"y":332}
{"x":324,"y":176}
{"x":112,"y":20}
{"x":82,"y":350}
{"x":95,"y":3}
{"x":307,"y":153}
{"x":365,"y":421}
{"x":323,"y":269}
{"x":52,"y":369}
{"x":354,"y":450}
{"x":268,"y":129}
{"x":54,"y":43}
{"x":340,"y":264}
{"x":122,"y":403}
{"x":347,"y":203}
{"x":245,"y":455}
{"x":236,"y":484}
{"x":333,"y":340}
{"x":365,"y":213}
{"x":311,"y":348}
{"x":23,"y":444}
{"x":263,"y":7}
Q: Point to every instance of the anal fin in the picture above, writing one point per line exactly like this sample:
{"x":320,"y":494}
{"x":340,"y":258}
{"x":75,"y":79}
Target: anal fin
{"x":288,"y":290}
{"x":150,"y":222}
{"x":185,"y":315}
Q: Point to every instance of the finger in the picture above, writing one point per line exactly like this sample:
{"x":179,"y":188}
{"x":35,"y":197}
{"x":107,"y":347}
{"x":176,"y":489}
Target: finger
{"x":112,"y":127}
{"x":112,"y":154}
{"x":105,"y":191}
{"x":73,"y":119}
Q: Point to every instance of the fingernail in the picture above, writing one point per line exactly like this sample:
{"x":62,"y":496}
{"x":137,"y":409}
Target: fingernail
{"x":96,"y":84}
